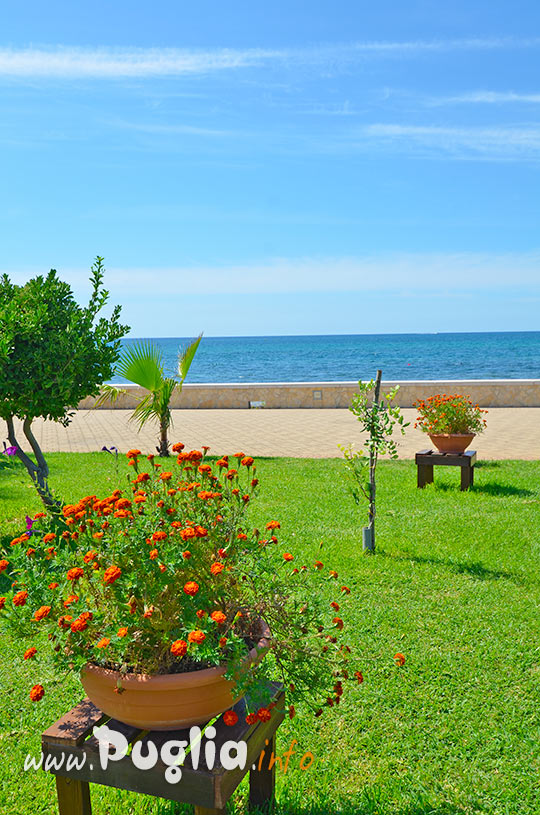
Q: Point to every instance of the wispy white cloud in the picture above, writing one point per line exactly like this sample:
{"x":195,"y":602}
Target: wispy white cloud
{"x":489,"y":143}
{"x":172,"y":129}
{"x":397,"y":272}
{"x":487,"y":98}
{"x":62,"y":62}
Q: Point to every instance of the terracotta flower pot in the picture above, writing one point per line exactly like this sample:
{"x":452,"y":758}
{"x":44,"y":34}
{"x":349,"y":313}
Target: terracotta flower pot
{"x":166,"y":701}
{"x":452,"y":442}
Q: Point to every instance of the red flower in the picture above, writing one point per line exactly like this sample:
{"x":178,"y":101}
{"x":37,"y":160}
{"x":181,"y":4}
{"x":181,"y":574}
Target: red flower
{"x":222,"y":642}
{"x":358,"y":675}
{"x":50,"y":536}
{"x":2,"y":602}
{"x":31,"y":652}
{"x":318,"y":565}
{"x":263,"y":714}
{"x":216,"y":568}
{"x":273,"y":525}
{"x":191,"y":588}
{"x":338,"y":622}
{"x":196,"y":636}
{"x":160,"y":535}
{"x":37,"y":693}
{"x":153,"y":554}
{"x":179,"y":648}
{"x":288,"y":556}
{"x":335,"y":606}
{"x":73,"y":598}
{"x":178,"y":447}
{"x":345,"y":590}
{"x":75,"y":573}
{"x":111,"y":574}
{"x":53,"y":585}
{"x":42,"y":612}
{"x":3,"y":565}
{"x":251,"y":718}
{"x":121,"y":632}
{"x":20,"y":598}
{"x":230,"y":718}
{"x":80,"y":624}
{"x":247,"y":461}
{"x":103,"y":643}
{"x":399,"y":659}
{"x":218,"y":617}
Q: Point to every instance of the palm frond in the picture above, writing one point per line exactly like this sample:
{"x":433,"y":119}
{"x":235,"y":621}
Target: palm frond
{"x":108,"y":395}
{"x":185,"y":357}
{"x":142,"y":364}
{"x":145,"y":410}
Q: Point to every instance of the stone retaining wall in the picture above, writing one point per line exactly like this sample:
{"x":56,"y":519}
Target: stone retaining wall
{"x":487,"y":392}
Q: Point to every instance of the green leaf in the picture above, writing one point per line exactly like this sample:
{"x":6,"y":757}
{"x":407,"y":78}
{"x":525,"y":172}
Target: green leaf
{"x":142,"y":364}
{"x":186,"y":356}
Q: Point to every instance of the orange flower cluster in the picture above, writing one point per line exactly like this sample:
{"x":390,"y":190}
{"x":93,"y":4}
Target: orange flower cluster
{"x":455,"y":413}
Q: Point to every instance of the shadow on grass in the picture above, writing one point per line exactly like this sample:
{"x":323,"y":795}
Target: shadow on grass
{"x":471,"y":568}
{"x":496,"y":490}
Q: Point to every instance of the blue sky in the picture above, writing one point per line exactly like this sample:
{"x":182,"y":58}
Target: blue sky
{"x":293,"y":167}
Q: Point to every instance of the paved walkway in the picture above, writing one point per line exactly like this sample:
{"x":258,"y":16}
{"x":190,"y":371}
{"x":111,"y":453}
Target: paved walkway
{"x":511,"y":432}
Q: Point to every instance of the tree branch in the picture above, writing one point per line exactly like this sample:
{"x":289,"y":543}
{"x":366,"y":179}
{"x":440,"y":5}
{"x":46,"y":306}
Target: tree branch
{"x":26,"y":460}
{"x":40,"y":458}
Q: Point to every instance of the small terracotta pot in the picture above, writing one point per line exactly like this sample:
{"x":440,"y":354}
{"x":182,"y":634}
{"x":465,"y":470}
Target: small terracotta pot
{"x":166,"y":701}
{"x":452,"y":442}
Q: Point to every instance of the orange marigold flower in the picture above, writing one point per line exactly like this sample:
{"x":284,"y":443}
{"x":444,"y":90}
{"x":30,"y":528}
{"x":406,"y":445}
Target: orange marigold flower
{"x":287,"y":556}
{"x":80,"y":624}
{"x":242,"y":536}
{"x":103,"y":643}
{"x":153,"y":554}
{"x":251,"y":718}
{"x":98,"y":535}
{"x":263,"y":714}
{"x":222,"y":462}
{"x":230,"y":718}
{"x":121,"y":632}
{"x":90,"y":556}
{"x":191,"y":588}
{"x":122,"y":503}
{"x":41,"y":613}
{"x":140,"y":499}
{"x":3,"y":565}
{"x":247,"y":461}
{"x":179,"y":648}
{"x":218,"y":617}
{"x":238,"y":455}
{"x":30,"y":653}
{"x":2,"y":602}
{"x":222,"y":642}
{"x":165,"y":476}
{"x":359,"y":676}
{"x":200,"y":531}
{"x":333,"y":574}
{"x":50,"y":536}
{"x":178,"y":447}
{"x":186,"y":555}
{"x":231,"y":474}
{"x":187,"y":533}
{"x":160,"y":535}
{"x":37,"y":693}
{"x":20,"y":598}
{"x":345,"y":590}
{"x":122,"y":513}
{"x":204,"y":468}
{"x":216,"y":568}
{"x":338,"y":622}
{"x":318,"y":565}
{"x":64,"y":621}
{"x":399,"y":659}
{"x":53,"y":585}
{"x":133,"y":453}
{"x":75,"y":573}
{"x":273,"y":525}
{"x":30,"y":552}
{"x":162,"y":567}
{"x":40,"y":515}
{"x":73,"y":598}
{"x":111,"y":574}
{"x":142,"y":477}
{"x":196,"y":636}
{"x":335,"y":606}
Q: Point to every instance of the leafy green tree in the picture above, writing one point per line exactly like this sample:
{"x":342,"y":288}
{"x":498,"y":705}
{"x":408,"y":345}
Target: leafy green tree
{"x":142,"y":364}
{"x":53,"y":353}
{"x":378,"y":419}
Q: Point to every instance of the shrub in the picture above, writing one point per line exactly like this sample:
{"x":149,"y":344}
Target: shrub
{"x":442,"y":414}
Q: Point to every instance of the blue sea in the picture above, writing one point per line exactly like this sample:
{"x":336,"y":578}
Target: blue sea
{"x":501,"y":355}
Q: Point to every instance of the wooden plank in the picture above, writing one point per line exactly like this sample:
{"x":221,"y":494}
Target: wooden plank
{"x":424,"y":453}
{"x":73,"y":796}
{"x":75,"y":725}
{"x":227,"y":781}
{"x":262,"y":779}
{"x":130,"y":733}
{"x":193,"y":788}
{"x":424,"y":475}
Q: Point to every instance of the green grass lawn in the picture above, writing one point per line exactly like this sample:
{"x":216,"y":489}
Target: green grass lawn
{"x":454,"y":586}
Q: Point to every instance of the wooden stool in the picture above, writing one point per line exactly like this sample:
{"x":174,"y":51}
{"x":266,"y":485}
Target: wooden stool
{"x":208,"y":789}
{"x":426,"y":459}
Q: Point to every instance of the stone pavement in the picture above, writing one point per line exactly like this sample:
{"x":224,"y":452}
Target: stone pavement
{"x":511,"y":432}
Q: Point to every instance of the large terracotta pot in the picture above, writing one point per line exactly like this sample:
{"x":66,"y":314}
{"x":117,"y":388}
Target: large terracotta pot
{"x":165,"y":701}
{"x":452,"y":442}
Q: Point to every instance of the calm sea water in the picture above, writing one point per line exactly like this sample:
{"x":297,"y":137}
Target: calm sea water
{"x":501,"y":355}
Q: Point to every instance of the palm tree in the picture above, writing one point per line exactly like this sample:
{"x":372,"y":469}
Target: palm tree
{"x":142,"y":364}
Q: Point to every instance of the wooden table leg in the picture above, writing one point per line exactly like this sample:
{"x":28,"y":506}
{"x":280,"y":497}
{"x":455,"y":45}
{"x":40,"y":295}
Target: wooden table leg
{"x":73,"y":796}
{"x":262,"y":782}
{"x":467,"y":477}
{"x":424,"y":475}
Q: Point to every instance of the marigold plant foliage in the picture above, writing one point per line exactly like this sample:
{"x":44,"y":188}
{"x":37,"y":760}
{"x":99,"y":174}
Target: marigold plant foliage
{"x":441,"y":414}
{"x":166,"y":576}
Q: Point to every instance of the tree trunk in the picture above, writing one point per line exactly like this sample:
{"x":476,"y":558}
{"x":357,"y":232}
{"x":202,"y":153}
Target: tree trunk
{"x":369,"y":539}
{"x":163,"y":448}
{"x":39,"y":471}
